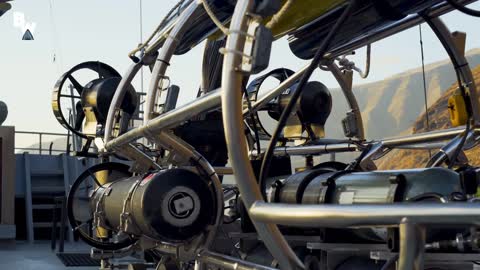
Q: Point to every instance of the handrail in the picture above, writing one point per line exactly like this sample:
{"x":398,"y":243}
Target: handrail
{"x":40,"y":148}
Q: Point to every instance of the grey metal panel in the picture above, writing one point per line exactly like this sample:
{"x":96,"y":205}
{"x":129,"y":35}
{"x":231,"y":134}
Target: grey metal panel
{"x":7,"y":231}
{"x":7,"y":177}
{"x":28,"y":198}
{"x":47,"y":170}
{"x":19,"y":175}
{"x":66,"y":184}
{"x":44,"y":174}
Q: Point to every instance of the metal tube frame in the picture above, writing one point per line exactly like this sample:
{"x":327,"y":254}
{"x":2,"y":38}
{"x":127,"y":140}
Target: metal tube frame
{"x":345,"y":82}
{"x":412,"y":246}
{"x":358,"y":216}
{"x":181,"y":114}
{"x":265,"y":215}
{"x":118,"y":97}
{"x":232,"y":110}
{"x":164,"y":57}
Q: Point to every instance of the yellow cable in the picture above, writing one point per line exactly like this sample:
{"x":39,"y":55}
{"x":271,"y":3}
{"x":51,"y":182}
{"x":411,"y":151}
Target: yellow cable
{"x":214,"y":18}
{"x":278,"y":16}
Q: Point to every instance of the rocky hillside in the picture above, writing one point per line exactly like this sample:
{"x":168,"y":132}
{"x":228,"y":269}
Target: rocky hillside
{"x":439,"y":119}
{"x":389,"y":107}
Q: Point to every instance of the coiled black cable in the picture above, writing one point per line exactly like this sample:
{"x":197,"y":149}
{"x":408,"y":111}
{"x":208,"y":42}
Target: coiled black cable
{"x":295,"y":96}
{"x":464,"y":9}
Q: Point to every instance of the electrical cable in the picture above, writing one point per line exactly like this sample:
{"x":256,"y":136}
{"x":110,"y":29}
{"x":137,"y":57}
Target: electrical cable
{"x":254,"y":123}
{"x":140,"y":9}
{"x":56,"y":48}
{"x":365,"y":74}
{"x":457,"y":66}
{"x":464,"y":9}
{"x":429,"y":195}
{"x":280,"y":14}
{"x":459,"y":148}
{"x":424,"y":83}
{"x":213,"y":17}
{"x":355,"y":165}
{"x":296,"y":95}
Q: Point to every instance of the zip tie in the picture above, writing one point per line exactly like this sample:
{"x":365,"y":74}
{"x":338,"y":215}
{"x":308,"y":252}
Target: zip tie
{"x":163,"y":61}
{"x":240,"y":33}
{"x":225,"y":51}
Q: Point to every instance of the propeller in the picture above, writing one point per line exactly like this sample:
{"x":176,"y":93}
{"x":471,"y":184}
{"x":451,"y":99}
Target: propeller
{"x":68,"y":91}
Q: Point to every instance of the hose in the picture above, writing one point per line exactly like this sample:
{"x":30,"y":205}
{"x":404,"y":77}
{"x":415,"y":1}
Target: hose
{"x":464,"y":9}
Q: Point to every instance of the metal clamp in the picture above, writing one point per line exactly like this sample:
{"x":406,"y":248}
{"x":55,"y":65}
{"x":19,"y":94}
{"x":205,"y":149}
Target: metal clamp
{"x":125,"y":219}
{"x":99,"y":214}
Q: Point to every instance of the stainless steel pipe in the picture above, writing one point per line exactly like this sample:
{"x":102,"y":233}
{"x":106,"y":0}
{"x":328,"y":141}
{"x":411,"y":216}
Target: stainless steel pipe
{"x":118,"y":98}
{"x":169,"y":119}
{"x":382,"y":215}
{"x":412,"y":246}
{"x":164,"y":57}
{"x":312,"y":149}
{"x":404,"y":142}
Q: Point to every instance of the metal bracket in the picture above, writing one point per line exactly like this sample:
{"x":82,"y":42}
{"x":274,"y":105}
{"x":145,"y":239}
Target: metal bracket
{"x":460,"y":40}
{"x":142,"y":162}
{"x":257,"y":48}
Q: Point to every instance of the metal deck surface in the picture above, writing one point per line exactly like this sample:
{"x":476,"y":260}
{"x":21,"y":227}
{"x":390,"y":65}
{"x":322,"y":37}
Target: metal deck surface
{"x":38,"y":256}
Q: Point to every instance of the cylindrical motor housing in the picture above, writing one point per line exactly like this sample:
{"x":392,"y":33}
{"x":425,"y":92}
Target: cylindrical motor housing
{"x":172,"y":205}
{"x":366,"y":187}
{"x":98,"y":95}
{"x":312,"y":109}
{"x":320,"y":186}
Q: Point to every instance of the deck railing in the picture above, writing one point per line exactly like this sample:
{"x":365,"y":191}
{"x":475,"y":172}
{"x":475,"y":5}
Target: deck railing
{"x":42,"y":150}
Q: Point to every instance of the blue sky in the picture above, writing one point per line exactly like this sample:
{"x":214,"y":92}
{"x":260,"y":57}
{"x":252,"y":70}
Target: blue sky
{"x":106,"y":30}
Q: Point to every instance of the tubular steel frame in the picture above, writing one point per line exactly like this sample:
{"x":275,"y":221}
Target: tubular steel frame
{"x":265,"y":216}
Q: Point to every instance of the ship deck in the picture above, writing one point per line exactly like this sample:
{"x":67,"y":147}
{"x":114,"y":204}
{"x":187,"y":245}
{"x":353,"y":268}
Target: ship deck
{"x":38,"y":256}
